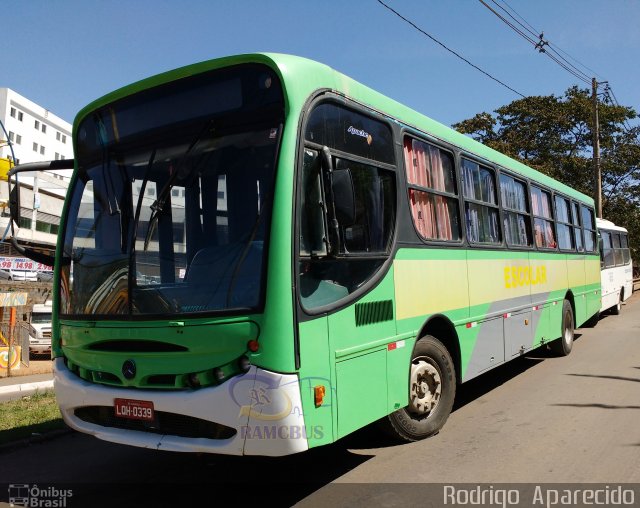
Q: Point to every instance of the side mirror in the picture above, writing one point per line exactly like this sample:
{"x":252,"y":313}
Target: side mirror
{"x":14,"y":202}
{"x":344,"y":197}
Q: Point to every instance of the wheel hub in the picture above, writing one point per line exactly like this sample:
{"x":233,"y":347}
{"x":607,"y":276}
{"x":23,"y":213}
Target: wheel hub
{"x":426,"y":387}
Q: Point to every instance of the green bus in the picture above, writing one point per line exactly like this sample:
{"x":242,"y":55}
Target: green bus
{"x":259,"y":255}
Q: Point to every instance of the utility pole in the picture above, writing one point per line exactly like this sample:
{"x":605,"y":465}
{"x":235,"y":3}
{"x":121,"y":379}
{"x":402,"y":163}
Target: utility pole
{"x":596,"y":149}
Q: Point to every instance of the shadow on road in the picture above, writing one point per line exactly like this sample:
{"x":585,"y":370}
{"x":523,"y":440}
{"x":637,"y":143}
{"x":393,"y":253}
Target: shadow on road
{"x":476,"y":388}
{"x":599,"y":406}
{"x":603,"y":376}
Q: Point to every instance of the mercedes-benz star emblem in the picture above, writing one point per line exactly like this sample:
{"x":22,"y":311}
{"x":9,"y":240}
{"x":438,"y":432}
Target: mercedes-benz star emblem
{"x":129,"y":369}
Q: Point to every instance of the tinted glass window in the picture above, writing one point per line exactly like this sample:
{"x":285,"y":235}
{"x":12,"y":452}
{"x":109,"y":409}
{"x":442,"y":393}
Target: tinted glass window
{"x":349,"y":131}
{"x":517,"y":228}
{"x":481,"y":211}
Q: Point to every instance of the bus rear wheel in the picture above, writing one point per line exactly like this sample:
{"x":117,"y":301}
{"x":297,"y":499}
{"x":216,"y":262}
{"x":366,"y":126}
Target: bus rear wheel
{"x":564,"y":345}
{"x":432,"y":389}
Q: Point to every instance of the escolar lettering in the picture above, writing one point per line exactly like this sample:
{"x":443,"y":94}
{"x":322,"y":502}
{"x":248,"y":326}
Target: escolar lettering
{"x":520,"y":275}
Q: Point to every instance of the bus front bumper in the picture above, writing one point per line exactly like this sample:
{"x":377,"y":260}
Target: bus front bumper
{"x":263,"y":408}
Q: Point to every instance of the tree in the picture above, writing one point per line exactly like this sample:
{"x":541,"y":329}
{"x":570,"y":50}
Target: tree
{"x":553,"y":135}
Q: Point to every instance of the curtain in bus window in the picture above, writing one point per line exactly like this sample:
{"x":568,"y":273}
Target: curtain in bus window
{"x":577,"y":232}
{"x":543,"y":232}
{"x":435,"y":216}
{"x":483,"y":225}
{"x":515,"y":224}
{"x":564,"y":237}
{"x":516,"y":229}
{"x":541,"y":203}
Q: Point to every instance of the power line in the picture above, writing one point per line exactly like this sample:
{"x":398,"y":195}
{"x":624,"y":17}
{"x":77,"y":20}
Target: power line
{"x":447,"y":48}
{"x":533,"y":31}
{"x":537,"y":41}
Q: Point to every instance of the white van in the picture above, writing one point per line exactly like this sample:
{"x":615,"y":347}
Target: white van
{"x":40,"y":329}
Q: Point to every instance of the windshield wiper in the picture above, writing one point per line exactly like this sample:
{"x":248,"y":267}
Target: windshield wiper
{"x":158,"y":205}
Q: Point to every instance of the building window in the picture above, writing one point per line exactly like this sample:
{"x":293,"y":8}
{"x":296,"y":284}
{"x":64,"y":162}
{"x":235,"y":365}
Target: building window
{"x":432,"y":191}
{"x":37,"y":125}
{"x":64,"y":138}
{"x":41,"y":150}
{"x":62,"y":157}
{"x":44,"y":128}
{"x":13,"y":112}
{"x":481,"y":205}
{"x":11,"y":136}
{"x":57,"y":156}
{"x":20,"y":116}
{"x":35,"y":147}
{"x":18,"y":139}
{"x":57,"y":136}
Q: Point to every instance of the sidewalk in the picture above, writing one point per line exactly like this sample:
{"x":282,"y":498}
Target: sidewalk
{"x":26,"y":380}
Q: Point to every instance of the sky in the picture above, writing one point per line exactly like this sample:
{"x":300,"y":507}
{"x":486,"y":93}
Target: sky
{"x":64,"y":54}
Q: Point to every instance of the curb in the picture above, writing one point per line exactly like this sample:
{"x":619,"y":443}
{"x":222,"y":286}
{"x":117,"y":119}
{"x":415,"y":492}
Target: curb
{"x":27,"y":388}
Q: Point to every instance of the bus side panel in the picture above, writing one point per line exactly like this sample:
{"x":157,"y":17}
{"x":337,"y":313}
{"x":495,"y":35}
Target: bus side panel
{"x":315,"y":370}
{"x":593,"y":284}
{"x":359,"y":337}
{"x":577,"y":278}
{"x":428,"y":282}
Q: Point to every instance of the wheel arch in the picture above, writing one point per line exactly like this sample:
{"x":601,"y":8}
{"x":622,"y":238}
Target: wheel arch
{"x":441,"y":327}
{"x":569,"y":296}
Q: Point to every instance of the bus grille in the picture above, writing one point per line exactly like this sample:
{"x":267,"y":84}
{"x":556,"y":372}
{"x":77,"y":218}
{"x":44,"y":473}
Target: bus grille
{"x":374,"y":312}
{"x":165,"y":423}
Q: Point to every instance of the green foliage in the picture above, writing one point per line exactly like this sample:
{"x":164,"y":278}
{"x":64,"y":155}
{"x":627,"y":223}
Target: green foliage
{"x":553,"y":135}
{"x":31,"y":415}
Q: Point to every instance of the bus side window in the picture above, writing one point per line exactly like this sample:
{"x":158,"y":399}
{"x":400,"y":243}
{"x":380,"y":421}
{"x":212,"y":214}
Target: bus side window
{"x":312,"y":226}
{"x":607,"y":250}
{"x":577,"y":231}
{"x":617,"y":249}
{"x":589,"y":228}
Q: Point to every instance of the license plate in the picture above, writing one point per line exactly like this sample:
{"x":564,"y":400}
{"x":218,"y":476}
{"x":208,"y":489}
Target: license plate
{"x":134,"y":409}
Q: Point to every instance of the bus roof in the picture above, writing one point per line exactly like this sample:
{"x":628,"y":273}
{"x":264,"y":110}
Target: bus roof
{"x":301,"y":77}
{"x":607,"y":224}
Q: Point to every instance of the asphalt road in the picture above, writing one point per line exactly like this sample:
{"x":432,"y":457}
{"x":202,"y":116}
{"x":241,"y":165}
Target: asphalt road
{"x":538,"y":419}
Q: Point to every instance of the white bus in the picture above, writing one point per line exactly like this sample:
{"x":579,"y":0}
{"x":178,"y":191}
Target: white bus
{"x":615,"y":265}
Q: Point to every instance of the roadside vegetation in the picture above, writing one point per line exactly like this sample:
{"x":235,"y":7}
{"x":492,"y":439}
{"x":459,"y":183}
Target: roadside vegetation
{"x":29,"y":417}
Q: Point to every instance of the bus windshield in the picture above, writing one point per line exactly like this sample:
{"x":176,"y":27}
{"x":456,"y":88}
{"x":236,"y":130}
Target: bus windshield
{"x":170,"y":208}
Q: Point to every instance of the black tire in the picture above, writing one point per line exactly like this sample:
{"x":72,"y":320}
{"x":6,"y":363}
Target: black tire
{"x":564,"y":345}
{"x":410,"y":423}
{"x":615,"y":310}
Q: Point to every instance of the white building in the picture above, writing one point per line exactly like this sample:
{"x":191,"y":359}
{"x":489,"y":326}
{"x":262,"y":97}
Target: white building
{"x":35,"y":132}
{"x":36,"y":135}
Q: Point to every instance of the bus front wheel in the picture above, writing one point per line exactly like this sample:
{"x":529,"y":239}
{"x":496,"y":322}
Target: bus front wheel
{"x":432,"y":389}
{"x":564,"y":345}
